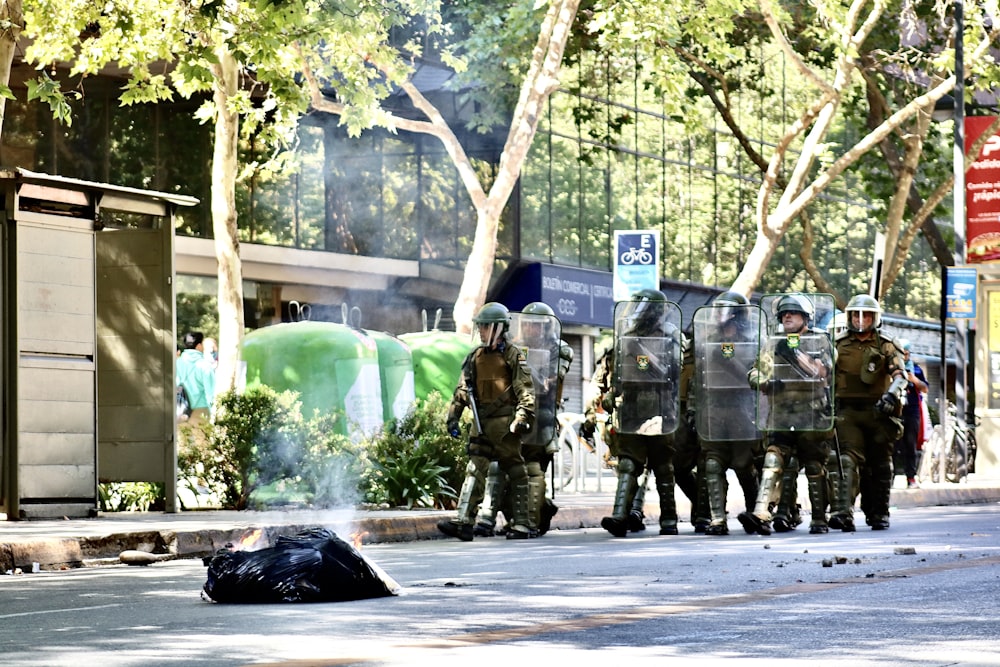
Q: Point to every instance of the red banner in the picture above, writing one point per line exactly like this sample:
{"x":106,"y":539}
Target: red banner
{"x":982,"y":194}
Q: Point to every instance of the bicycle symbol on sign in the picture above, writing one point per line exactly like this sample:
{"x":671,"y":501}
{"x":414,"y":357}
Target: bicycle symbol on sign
{"x":636,"y":256}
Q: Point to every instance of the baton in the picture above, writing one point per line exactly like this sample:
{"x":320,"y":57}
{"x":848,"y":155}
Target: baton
{"x":475,"y":411}
{"x":836,"y":448}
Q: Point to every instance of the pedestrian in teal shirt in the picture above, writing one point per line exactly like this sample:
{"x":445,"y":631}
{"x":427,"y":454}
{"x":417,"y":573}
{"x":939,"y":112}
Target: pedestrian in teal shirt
{"x":197,"y":373}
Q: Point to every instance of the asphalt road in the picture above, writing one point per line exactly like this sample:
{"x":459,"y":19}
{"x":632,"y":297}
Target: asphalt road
{"x":926,"y":592}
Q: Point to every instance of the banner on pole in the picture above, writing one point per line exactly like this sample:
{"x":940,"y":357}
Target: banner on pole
{"x":982,"y":194}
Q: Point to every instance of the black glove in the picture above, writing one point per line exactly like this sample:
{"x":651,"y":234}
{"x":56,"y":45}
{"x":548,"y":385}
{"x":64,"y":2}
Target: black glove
{"x":453,"y":429}
{"x":888,"y":404}
{"x":773,"y":386}
{"x":520,"y":426}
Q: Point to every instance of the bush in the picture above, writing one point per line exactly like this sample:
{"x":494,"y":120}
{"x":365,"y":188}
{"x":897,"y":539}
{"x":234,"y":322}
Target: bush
{"x":259,"y":445}
{"x":255,"y":440}
{"x":413,"y":461}
{"x":333,"y":465}
{"x":130,"y":496}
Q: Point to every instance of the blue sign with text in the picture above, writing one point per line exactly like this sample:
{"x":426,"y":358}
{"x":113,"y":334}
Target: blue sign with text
{"x":960,"y":292}
{"x":578,"y":296}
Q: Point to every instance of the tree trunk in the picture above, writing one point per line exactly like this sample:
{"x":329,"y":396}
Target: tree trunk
{"x":541,"y":80}
{"x":227,"y":250}
{"x":10,"y":11}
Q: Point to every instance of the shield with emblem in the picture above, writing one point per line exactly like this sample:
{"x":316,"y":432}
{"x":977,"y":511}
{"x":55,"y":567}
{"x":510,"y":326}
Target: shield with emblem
{"x":796,"y":364}
{"x":646,"y":369}
{"x":726,"y":343}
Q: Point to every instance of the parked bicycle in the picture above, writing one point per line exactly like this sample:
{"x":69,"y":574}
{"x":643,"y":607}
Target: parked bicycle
{"x":578,"y":458}
{"x":950,"y":454}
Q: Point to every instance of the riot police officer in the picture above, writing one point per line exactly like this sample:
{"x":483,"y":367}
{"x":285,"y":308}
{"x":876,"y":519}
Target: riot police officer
{"x":636,"y":381}
{"x":727,"y":341}
{"x":870,"y":390}
{"x":496,"y":386}
{"x":536,"y":331}
{"x":793,"y":375}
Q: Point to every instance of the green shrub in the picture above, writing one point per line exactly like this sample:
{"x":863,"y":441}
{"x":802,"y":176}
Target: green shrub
{"x":333,"y":465}
{"x":255,"y":440}
{"x":413,"y":462}
{"x":261,"y":449}
{"x":130,"y":496}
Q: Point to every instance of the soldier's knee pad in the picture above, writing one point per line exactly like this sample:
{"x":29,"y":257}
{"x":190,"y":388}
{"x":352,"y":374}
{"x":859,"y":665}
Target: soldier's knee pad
{"x":814,"y":469}
{"x":626,"y":466}
{"x":713,"y":466}
{"x":517,"y":473}
{"x":534,"y":469}
{"x":772,"y":461}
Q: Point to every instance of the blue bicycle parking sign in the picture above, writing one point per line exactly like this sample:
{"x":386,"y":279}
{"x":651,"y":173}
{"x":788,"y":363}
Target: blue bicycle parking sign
{"x":637,"y":262}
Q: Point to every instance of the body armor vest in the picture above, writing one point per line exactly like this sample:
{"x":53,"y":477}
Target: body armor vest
{"x":851,"y":356}
{"x":492,"y":378}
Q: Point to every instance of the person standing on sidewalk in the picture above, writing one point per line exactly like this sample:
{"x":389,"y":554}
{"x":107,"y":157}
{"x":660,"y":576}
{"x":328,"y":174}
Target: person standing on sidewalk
{"x":906,"y":454}
{"x":537,"y":332}
{"x":196,"y":373}
{"x":870,"y":388}
{"x":496,"y":386}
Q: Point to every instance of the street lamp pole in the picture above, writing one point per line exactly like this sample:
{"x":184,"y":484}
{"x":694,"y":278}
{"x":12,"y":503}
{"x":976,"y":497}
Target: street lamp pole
{"x":958,"y":221}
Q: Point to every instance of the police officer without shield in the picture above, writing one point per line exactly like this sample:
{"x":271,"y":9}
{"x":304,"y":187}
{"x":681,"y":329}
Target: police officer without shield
{"x":870,"y":391}
{"x":496,"y":386}
{"x":536,"y":332}
{"x":726,"y":341}
{"x":793,"y":375}
{"x":637,"y":382}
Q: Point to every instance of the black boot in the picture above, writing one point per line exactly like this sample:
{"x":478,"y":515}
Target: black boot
{"x":628,"y":486}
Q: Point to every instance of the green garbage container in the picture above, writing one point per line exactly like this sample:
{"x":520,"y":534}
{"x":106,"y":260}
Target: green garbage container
{"x":333,"y":367}
{"x":395,"y":364}
{"x":437,"y":360}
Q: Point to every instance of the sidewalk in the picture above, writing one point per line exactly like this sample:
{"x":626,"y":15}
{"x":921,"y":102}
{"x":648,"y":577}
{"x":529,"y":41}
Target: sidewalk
{"x":55,"y":544}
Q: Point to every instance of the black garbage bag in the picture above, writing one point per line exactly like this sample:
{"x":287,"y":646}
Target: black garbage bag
{"x":312,"y":566}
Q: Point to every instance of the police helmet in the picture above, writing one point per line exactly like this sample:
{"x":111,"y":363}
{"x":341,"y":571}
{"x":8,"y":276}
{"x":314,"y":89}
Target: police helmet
{"x":729,"y":314}
{"x":838,"y":324}
{"x":795,"y":303}
{"x":863,"y":303}
{"x":646,"y":312}
{"x":492,"y":313}
{"x":730,"y":298}
{"x":538,"y":308}
{"x":493,"y":320}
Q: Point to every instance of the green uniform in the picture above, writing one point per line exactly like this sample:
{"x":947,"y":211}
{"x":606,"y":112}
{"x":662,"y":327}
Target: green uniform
{"x":864,"y":370}
{"x":503,"y":393}
{"x":802,"y":407}
{"x":635,"y":453}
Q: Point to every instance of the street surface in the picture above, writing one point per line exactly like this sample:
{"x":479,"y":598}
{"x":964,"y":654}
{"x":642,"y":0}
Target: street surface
{"x":926,"y":592}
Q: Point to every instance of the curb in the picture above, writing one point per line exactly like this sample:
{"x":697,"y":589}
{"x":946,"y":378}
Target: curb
{"x":56,"y":553}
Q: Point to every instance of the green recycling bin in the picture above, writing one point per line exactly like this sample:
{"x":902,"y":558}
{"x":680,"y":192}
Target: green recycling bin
{"x":333,"y":367}
{"x":395,"y":364}
{"x":437,"y":360}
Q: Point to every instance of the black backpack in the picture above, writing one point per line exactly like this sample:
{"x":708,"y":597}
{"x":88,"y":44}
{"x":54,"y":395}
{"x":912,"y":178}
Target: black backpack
{"x":183,"y":403}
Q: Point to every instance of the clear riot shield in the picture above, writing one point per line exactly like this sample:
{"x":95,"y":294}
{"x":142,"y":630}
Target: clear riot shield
{"x":726,"y":344}
{"x":647,"y":362}
{"x":796,"y":367}
{"x":537,"y":336}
